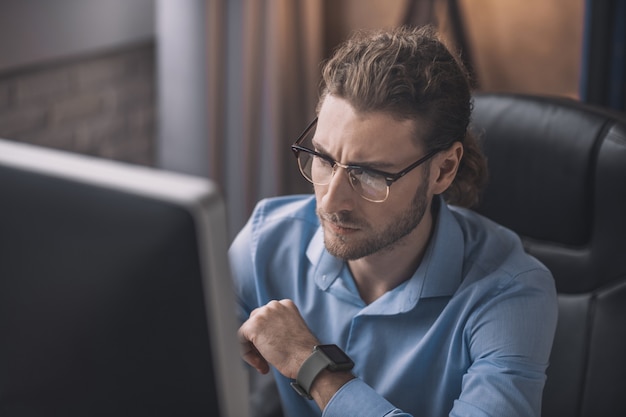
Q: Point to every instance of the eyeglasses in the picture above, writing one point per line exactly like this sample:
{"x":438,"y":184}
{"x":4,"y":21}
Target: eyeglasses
{"x":371,"y":184}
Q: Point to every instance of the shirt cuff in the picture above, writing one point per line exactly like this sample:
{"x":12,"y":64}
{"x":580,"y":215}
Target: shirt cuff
{"x":356,"y":398}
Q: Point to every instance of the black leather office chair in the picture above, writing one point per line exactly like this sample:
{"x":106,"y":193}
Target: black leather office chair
{"x":558,"y":178}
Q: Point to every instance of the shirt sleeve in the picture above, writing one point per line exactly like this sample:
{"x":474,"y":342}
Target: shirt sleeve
{"x":242,"y":271}
{"x":509,"y":338}
{"x":356,"y":398}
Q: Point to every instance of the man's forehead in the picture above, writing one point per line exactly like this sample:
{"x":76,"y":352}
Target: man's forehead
{"x":337,"y":110}
{"x":341,"y":119}
{"x":376,"y":139}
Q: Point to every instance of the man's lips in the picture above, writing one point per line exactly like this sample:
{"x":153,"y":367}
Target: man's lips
{"x":340,"y":228}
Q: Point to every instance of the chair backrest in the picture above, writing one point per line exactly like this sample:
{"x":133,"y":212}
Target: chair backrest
{"x":558,"y":178}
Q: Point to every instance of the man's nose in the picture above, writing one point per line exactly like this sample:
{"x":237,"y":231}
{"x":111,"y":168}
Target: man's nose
{"x":338,"y":195}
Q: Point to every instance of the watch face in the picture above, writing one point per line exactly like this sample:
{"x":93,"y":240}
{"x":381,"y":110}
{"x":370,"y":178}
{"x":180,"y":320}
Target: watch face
{"x":335,"y":354}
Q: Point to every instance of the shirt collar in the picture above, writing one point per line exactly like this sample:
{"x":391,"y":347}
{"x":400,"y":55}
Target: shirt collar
{"x":438,"y":275}
{"x":443,"y":261}
{"x":327,"y":267}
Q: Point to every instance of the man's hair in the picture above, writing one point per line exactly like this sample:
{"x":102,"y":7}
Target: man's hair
{"x":410,"y":74}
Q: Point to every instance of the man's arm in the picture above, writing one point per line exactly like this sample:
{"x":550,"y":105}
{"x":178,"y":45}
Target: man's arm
{"x":276,"y":334}
{"x":509,"y":340}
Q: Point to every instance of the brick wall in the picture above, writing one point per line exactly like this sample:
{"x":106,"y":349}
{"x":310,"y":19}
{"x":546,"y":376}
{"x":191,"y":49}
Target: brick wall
{"x":101,"y":105}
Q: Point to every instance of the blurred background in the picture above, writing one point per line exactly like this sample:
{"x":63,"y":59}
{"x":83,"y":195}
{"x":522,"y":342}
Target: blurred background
{"x":221,"y":88}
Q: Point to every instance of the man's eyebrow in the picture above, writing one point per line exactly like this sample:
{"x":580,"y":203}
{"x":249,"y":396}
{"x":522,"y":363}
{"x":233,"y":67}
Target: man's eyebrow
{"x":379,"y":165}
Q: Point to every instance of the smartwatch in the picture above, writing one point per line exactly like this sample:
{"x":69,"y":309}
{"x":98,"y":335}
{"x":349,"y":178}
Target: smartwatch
{"x":329,"y":357}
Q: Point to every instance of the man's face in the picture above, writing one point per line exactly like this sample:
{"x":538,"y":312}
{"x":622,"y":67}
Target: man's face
{"x":353,"y":227}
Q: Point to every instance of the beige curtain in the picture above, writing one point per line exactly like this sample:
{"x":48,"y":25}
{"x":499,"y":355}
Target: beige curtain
{"x":263,"y":70}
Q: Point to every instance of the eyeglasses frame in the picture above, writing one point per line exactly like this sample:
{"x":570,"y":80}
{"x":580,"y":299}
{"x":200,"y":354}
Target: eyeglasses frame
{"x":390,"y":178}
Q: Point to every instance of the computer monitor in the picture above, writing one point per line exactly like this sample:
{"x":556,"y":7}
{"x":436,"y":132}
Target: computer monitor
{"x":115,"y":294}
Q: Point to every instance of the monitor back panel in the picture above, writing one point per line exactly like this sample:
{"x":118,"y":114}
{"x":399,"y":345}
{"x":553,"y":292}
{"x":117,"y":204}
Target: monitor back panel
{"x":101,"y":303}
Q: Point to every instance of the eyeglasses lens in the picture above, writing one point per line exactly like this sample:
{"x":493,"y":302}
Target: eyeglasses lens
{"x":317,"y":170}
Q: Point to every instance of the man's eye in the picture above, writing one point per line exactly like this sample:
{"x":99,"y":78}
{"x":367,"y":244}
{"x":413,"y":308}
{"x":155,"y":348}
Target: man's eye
{"x":322,"y":162}
{"x":371,"y":178}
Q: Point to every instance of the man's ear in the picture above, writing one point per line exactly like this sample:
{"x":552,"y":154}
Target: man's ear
{"x":444,"y":167}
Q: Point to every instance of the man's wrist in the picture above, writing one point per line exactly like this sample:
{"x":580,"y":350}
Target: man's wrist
{"x":329,"y":358}
{"x":327,"y":384}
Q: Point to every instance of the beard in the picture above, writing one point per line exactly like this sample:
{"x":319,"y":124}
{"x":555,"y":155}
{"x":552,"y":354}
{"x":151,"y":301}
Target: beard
{"x":348,"y":248}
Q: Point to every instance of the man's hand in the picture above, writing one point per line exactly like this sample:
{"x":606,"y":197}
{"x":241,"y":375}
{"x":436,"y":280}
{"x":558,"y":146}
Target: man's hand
{"x":276,"y":334}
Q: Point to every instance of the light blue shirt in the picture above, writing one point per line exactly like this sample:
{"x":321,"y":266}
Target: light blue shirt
{"x":468,"y":335}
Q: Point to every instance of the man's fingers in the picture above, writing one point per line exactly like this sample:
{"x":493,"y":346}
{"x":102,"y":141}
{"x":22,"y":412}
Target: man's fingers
{"x":254,"y":358}
{"x":249,"y":352}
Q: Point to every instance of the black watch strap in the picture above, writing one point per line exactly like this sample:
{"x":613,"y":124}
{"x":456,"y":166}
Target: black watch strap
{"x":323,"y":357}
